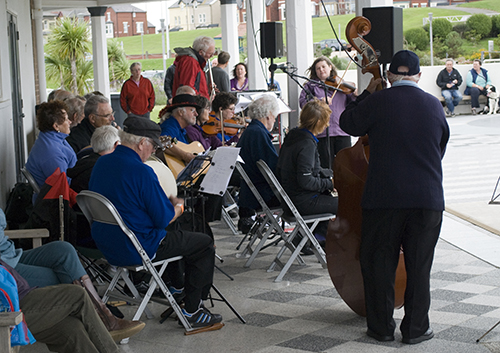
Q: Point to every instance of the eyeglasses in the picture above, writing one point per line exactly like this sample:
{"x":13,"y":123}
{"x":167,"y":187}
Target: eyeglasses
{"x":153,"y":144}
{"x":106,"y":115}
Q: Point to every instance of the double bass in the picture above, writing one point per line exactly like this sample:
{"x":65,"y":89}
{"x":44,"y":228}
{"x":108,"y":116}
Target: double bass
{"x":350,"y":171}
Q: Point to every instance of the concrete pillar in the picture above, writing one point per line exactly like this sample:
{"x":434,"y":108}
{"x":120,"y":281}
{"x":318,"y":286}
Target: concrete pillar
{"x":229,"y":21}
{"x":100,"y":50}
{"x":39,"y":54}
{"x":298,"y":32}
{"x":256,"y":78}
{"x":364,"y":80}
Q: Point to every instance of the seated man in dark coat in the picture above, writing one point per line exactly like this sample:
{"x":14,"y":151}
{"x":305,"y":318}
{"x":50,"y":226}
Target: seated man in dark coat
{"x":98,"y":112}
{"x":103,"y":141}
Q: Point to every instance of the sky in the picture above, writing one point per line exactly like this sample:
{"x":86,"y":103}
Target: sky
{"x":156,"y":10}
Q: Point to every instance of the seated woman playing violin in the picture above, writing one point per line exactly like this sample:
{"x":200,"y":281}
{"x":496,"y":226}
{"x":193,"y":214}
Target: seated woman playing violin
{"x":223,"y":107}
{"x":322,"y":70}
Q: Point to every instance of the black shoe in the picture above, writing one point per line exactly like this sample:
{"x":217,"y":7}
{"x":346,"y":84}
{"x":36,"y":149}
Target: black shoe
{"x":245,"y":224}
{"x":378,"y":337}
{"x":306,"y":251}
{"x":201,"y":317}
{"x":426,"y":336}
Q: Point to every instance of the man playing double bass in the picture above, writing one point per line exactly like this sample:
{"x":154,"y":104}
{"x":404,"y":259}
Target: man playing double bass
{"x":403,"y":199}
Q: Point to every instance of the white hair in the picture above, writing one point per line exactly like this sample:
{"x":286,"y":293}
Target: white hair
{"x":395,"y":78}
{"x":104,"y":138}
{"x":261,"y":108}
{"x":203,"y":43}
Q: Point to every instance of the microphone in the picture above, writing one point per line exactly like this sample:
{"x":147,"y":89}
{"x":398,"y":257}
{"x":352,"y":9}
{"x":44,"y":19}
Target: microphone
{"x":282,"y":67}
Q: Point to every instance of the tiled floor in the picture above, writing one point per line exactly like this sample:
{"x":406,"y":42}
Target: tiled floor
{"x":304,"y":313}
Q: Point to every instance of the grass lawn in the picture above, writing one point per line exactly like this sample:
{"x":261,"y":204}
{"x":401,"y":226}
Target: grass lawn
{"x":493,"y":5}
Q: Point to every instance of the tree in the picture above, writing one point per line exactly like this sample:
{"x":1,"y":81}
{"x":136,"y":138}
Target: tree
{"x":495,"y":30}
{"x":441,"y":27}
{"x":480,"y":23}
{"x":118,"y":64}
{"x":55,"y":69}
{"x":70,"y":40}
{"x":454,"y":44}
{"x":417,"y":37}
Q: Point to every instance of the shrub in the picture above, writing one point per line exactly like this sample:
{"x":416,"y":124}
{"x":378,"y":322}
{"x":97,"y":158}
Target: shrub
{"x":454,"y":44}
{"x":327,"y":52}
{"x":495,"y":26}
{"x":417,"y":37}
{"x":460,"y":28}
{"x":339,"y":63}
{"x":480,"y":23}
{"x":441,"y":27}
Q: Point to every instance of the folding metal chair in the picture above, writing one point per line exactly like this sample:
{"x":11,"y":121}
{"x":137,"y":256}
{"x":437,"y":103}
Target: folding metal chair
{"x":300,"y":222}
{"x":31,"y":180}
{"x":226,"y":217}
{"x":97,"y":208}
{"x":266,"y":224}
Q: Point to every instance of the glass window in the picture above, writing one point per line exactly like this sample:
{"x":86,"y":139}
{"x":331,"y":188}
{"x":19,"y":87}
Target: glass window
{"x":125,"y":27}
{"x":192,"y":18}
{"x":139,"y":27}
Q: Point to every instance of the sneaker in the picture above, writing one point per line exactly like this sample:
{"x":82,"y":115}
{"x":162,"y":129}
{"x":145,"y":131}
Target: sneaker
{"x":201,"y":317}
{"x":245,"y":224}
{"x":447,"y":112}
{"x":453,"y":114}
{"x":474,"y":111}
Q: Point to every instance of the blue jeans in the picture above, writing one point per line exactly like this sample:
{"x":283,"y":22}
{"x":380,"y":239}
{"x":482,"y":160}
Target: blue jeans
{"x":51,"y":264}
{"x":452,"y":98}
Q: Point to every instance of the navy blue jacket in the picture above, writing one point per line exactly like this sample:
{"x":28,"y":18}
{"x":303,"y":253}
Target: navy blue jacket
{"x":407,"y":132}
{"x":256,"y":143}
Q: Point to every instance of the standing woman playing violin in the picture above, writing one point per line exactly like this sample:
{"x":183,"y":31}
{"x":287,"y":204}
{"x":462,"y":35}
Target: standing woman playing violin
{"x":322,"y":70}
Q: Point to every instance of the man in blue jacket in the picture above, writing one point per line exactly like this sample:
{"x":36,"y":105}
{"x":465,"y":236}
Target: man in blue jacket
{"x":403,"y":199}
{"x":135,"y":191}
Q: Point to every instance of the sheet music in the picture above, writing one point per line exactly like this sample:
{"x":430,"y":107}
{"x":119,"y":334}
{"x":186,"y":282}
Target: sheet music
{"x":283,"y":107}
{"x":217,"y":177}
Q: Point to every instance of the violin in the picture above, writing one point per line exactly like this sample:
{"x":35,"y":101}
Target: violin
{"x":213,"y":126}
{"x":337,"y":82}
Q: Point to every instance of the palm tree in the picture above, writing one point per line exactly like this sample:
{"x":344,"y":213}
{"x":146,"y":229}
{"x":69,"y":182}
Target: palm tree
{"x":70,"y":40}
{"x":117,"y":60}
{"x":56,"y":69}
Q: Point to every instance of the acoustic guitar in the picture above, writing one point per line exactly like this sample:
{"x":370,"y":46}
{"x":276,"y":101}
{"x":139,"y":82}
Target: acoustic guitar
{"x":175,"y":164}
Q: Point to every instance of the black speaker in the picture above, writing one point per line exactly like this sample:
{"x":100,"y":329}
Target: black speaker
{"x":271,"y":39}
{"x":386,"y":35}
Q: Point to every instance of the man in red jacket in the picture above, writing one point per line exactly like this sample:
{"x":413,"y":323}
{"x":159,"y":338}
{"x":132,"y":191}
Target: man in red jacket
{"x":138,"y":95}
{"x":189,"y":65}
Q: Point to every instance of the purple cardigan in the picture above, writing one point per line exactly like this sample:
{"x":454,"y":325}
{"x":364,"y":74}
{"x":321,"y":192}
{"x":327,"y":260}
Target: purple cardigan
{"x":234,"y":85}
{"x":338,"y":105}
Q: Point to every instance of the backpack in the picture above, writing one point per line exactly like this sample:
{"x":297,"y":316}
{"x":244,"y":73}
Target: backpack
{"x":19,"y":205}
{"x":9,"y":302}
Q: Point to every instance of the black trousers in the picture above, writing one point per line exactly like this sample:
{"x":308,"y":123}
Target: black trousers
{"x":196,"y":271}
{"x":336,"y":144}
{"x":474,"y":96}
{"x":384,"y":232}
{"x":321,"y":203}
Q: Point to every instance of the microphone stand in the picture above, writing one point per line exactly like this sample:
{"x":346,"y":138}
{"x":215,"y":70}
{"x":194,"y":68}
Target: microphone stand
{"x":310,"y":96}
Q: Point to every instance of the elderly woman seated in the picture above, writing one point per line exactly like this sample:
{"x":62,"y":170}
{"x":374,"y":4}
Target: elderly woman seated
{"x":53,"y":264}
{"x":51,"y":151}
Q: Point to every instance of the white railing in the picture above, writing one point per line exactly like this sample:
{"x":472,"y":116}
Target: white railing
{"x":454,"y":19}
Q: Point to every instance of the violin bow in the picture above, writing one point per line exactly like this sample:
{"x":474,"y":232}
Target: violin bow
{"x":342,"y":78}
